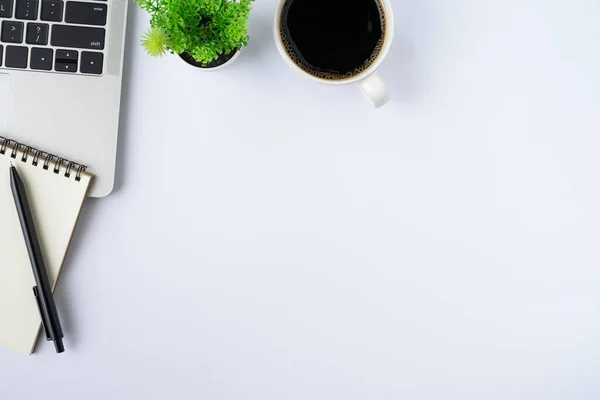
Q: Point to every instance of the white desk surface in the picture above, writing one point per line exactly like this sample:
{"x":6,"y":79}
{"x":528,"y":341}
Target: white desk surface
{"x":271,"y":238}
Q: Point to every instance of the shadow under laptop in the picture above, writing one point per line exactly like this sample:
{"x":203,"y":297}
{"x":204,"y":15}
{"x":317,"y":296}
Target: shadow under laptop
{"x":131,"y":41}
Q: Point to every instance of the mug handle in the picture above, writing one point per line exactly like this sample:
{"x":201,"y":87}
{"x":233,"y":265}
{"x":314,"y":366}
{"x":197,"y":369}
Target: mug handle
{"x":374,"y":89}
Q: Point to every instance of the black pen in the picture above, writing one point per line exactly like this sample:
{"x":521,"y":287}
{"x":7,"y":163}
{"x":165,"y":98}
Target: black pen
{"x":42,"y":291}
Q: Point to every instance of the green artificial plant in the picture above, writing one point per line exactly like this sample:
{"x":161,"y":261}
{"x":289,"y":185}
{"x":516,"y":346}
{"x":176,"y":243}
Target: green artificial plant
{"x":204,"y":29}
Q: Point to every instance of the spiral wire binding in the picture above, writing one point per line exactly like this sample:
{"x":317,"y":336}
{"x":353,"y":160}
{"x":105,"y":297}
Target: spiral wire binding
{"x":37,"y":155}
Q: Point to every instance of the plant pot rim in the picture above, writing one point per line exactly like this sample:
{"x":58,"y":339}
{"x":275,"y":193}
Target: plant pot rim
{"x":210,"y":69}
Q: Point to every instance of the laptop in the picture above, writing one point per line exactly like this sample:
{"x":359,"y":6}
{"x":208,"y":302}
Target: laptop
{"x":61,"y":66}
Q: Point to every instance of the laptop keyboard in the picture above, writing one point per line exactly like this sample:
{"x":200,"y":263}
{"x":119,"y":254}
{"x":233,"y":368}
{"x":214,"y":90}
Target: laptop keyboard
{"x":53,"y":35}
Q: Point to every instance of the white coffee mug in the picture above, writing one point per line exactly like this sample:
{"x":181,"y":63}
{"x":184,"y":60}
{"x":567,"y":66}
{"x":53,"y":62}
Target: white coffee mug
{"x":368,"y":81}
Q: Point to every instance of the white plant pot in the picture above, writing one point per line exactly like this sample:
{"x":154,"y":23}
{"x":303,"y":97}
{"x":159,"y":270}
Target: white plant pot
{"x":210,"y":69}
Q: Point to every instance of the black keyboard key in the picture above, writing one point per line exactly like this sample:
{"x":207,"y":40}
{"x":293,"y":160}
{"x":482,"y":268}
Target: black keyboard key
{"x":27,"y":9}
{"x":86,"y":13}
{"x":41,"y":59}
{"x":67,"y":55}
{"x":66,"y":60}
{"x":77,"y":36}
{"x":37,"y":34}
{"x":91,"y":63}
{"x":1,"y":51}
{"x":52,"y":10}
{"x":6,"y":8}
{"x":16,"y":56}
{"x":12,"y":32}
{"x":65,"y":66}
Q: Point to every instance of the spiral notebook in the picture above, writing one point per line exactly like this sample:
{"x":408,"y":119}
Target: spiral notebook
{"x":56,"y":189}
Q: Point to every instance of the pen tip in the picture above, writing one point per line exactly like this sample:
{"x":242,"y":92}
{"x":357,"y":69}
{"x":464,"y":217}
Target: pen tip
{"x":58,"y":344}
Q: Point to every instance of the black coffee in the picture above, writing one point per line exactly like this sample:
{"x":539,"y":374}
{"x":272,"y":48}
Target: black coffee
{"x":333,"y":39}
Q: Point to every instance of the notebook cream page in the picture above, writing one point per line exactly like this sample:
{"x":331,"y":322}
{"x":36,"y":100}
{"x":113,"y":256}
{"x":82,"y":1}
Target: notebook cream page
{"x":56,"y":201}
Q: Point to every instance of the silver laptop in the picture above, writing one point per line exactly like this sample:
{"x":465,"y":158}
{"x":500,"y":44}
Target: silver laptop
{"x":60,"y":79}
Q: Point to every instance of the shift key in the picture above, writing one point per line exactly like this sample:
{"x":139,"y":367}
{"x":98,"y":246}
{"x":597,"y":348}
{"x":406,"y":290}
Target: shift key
{"x":78,"y":37}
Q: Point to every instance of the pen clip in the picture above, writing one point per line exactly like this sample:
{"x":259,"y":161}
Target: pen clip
{"x":39,"y":304}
